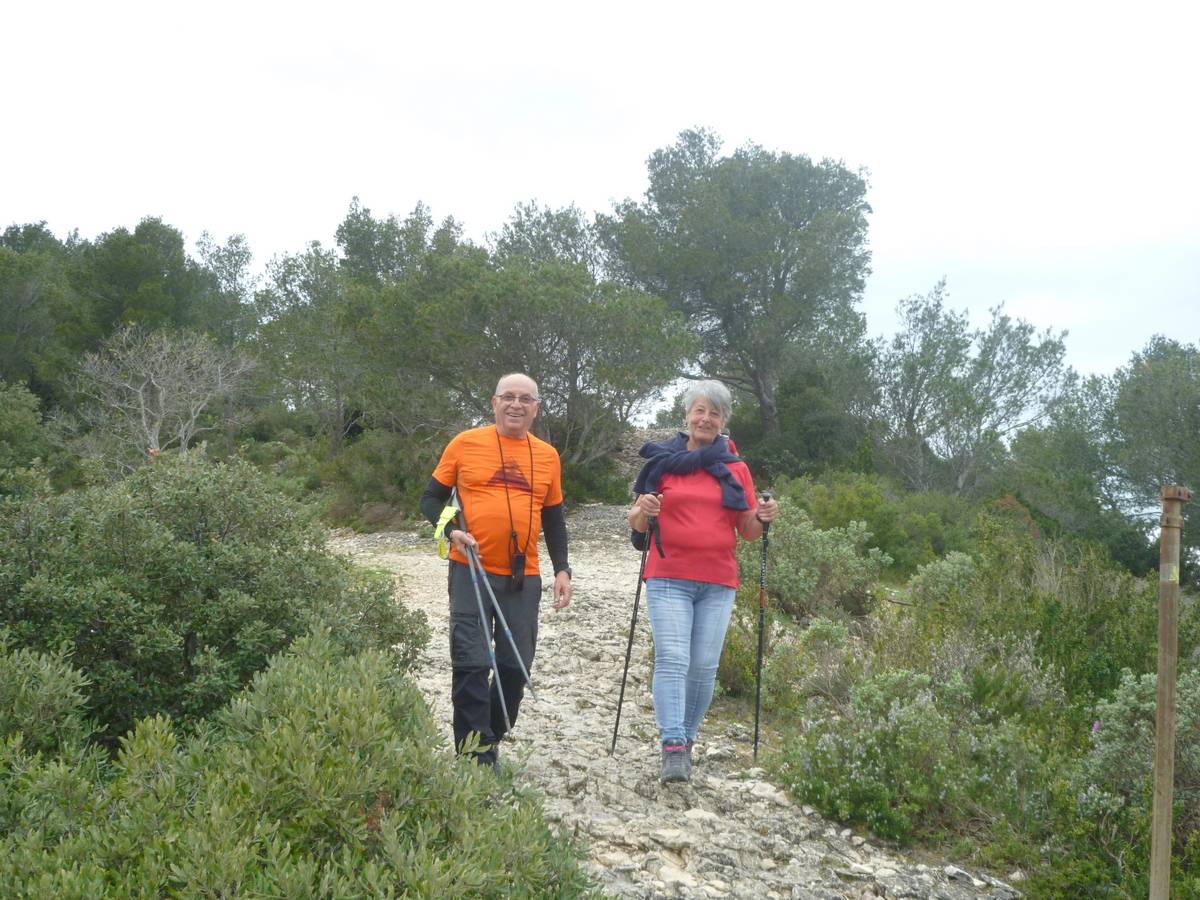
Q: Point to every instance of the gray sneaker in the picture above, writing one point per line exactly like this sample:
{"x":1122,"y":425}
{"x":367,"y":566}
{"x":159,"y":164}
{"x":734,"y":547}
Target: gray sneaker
{"x":676,"y":763}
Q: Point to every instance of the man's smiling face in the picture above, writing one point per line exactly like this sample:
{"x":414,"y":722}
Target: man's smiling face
{"x":515,"y":404}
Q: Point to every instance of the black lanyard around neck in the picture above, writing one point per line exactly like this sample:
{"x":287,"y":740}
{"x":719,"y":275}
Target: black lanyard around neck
{"x":504,"y":478}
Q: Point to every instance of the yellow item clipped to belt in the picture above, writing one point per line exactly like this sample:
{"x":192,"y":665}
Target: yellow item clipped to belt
{"x":449,"y":511}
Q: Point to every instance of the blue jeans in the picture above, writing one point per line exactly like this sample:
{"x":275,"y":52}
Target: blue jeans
{"x":689,"y":619}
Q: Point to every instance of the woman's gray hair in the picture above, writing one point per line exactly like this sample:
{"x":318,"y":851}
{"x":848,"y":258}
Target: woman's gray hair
{"x":712,"y":391}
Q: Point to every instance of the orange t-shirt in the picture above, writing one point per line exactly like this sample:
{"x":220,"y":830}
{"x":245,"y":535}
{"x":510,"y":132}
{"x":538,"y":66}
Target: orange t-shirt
{"x":472,"y":462}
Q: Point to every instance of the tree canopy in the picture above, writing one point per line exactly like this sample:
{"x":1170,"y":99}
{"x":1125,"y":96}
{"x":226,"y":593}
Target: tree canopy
{"x":764,"y":254}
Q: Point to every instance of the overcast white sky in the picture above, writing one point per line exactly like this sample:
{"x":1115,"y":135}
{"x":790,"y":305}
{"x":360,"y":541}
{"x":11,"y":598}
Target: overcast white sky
{"x":1045,"y":155}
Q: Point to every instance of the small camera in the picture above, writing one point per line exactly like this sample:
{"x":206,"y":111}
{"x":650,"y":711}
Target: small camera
{"x":516,"y":580}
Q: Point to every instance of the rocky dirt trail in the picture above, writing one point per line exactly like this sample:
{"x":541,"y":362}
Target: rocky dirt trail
{"x":730,"y":832}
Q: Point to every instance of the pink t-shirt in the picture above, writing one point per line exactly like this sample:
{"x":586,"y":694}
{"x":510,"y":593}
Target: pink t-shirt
{"x":698,"y":533}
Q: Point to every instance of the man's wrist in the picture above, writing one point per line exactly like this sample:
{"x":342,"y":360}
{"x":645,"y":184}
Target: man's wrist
{"x":566,"y":569}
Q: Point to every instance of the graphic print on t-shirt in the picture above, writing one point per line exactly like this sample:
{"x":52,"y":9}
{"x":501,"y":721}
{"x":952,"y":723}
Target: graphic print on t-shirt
{"x":510,"y":473}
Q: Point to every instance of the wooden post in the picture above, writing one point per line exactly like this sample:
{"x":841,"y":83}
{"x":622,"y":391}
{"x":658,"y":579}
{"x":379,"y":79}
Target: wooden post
{"x":1173,"y":498}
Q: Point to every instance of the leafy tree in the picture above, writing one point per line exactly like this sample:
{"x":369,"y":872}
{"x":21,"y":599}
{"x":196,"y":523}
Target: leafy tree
{"x":543,"y":234}
{"x":35,"y":295}
{"x":597,"y":350}
{"x":22,"y":438}
{"x":764,"y":254}
{"x":951,"y":397}
{"x":143,"y":277}
{"x":1063,"y":467}
{"x":600,"y":351}
{"x":1155,"y":431}
{"x":1156,"y":418}
{"x":383,"y":250}
{"x":309,"y":341}
{"x":825,"y":407}
{"x":418,"y":372}
{"x":31,"y":237}
{"x":462,"y":316}
{"x":230,"y":318}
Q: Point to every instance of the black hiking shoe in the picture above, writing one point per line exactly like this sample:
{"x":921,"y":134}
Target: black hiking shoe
{"x":488,"y":759}
{"x":676,"y":763}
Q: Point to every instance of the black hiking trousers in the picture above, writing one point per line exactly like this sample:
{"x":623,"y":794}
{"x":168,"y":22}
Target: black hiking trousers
{"x":473,"y":693}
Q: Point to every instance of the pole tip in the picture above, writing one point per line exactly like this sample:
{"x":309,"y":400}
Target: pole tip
{"x":1176,"y":492}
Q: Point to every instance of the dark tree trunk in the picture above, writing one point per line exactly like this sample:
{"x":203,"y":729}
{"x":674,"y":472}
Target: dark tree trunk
{"x":764,"y":391}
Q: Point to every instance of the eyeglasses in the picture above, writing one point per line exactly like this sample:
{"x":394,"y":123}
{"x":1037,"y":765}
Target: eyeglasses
{"x":523,"y":399}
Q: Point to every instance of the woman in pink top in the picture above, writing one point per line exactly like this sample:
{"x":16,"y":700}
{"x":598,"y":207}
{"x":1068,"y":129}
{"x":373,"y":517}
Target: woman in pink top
{"x":702,"y":499}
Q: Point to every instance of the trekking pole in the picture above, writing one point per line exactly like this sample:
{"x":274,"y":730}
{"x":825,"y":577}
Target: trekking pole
{"x":762,"y":610}
{"x":483,"y":623}
{"x":473,"y":558}
{"x":651,"y":523}
{"x":487,"y":642}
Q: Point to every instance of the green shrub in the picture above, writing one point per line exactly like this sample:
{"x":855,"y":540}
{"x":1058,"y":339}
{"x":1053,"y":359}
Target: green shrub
{"x":23,"y":439}
{"x":599,"y":481}
{"x":912,"y":528}
{"x":290,"y":467}
{"x":324,"y":779}
{"x":818,"y":662}
{"x":377,"y":480}
{"x":1116,"y":779}
{"x":1087,"y":617}
{"x":739,"y":655}
{"x":173,"y":586}
{"x":943,"y":582}
{"x":1095,"y":619}
{"x":810,"y":571}
{"x":1095,"y":829}
{"x":907,"y":758}
{"x":41,"y":699}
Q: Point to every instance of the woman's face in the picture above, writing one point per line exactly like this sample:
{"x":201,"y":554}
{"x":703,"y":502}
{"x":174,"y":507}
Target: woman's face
{"x":703,"y":421}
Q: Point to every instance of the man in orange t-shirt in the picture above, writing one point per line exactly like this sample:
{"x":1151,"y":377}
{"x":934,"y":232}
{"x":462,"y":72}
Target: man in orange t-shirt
{"x":510,"y":489}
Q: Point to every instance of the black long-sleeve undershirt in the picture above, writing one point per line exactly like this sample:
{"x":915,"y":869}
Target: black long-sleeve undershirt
{"x":554,"y":523}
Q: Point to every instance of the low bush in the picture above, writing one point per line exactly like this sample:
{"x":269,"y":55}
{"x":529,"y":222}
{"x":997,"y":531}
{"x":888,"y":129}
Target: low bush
{"x":810,"y":572}
{"x":819,"y":662}
{"x":1092,"y":832}
{"x":739,"y":655}
{"x":907,"y":758}
{"x":971,"y":715}
{"x":813,"y":571}
{"x":23,"y":439}
{"x":600,"y":481}
{"x":912,"y":528}
{"x":1081,"y":617}
{"x":172,"y":587}
{"x":376,"y":481}
{"x":290,"y":466}
{"x":323,"y":779}
{"x":41,"y":699}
